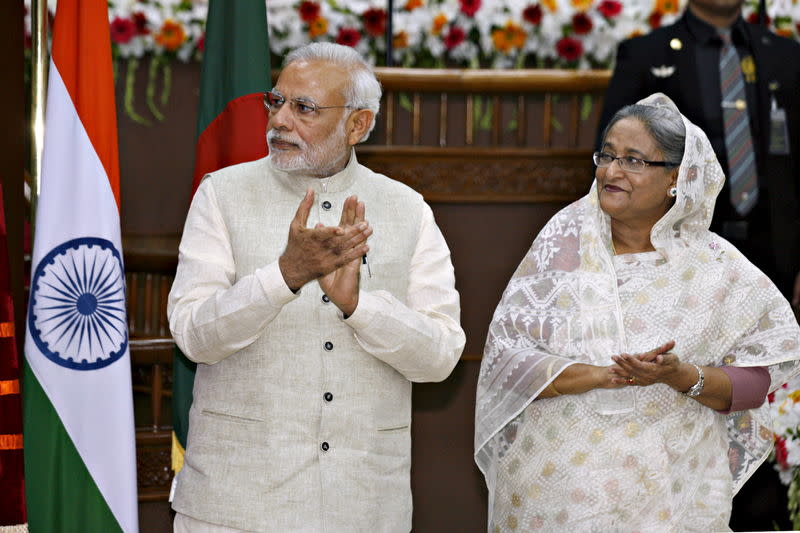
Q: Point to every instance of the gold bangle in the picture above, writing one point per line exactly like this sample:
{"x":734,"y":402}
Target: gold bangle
{"x":552,"y":388}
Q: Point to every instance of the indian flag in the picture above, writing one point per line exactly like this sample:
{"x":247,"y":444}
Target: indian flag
{"x":80,"y":459}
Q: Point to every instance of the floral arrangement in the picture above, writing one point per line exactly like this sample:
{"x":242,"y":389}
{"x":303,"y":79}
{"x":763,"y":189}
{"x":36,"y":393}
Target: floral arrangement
{"x":425,"y":33}
{"x":785,"y":410}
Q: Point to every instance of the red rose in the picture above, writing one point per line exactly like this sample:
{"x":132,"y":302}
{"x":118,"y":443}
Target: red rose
{"x":122,"y":30}
{"x":141,"y":24}
{"x":752,"y":18}
{"x":309,"y":11}
{"x":780,"y":452}
{"x":375,"y":21}
{"x":348,"y":37}
{"x":609,"y":8}
{"x":581,"y":23}
{"x":454,"y":37}
{"x":569,"y":48}
{"x":470,"y":7}
{"x":533,"y":14}
{"x":654,"y":20}
{"x":201,"y":43}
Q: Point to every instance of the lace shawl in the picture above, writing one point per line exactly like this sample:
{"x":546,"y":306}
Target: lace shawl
{"x":562,"y":307}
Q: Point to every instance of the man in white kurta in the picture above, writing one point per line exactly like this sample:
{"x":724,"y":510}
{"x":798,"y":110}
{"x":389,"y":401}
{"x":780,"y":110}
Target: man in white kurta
{"x":308,"y":346}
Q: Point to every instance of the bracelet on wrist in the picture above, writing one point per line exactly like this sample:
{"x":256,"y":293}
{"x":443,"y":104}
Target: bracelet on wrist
{"x":697,"y":388}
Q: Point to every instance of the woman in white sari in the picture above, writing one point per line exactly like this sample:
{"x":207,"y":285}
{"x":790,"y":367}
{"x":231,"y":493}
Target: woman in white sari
{"x":623,"y":382}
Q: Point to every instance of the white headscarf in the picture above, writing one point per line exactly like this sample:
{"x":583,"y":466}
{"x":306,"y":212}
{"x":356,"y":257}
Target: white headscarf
{"x":562,"y":307}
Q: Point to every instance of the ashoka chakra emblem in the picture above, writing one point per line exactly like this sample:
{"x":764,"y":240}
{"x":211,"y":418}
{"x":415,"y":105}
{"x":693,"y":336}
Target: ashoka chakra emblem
{"x":76,"y":314}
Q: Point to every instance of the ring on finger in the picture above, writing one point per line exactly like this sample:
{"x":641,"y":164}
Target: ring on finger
{"x":631,"y":380}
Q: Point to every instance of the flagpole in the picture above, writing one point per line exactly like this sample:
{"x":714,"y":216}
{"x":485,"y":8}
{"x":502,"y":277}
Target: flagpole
{"x":38,"y":97}
{"x":389,"y":33}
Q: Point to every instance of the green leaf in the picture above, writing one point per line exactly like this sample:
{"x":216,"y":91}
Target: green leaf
{"x":586,"y":107}
{"x":130,"y":82}
{"x":405,"y":102}
{"x":485,"y":122}
{"x":513,"y":122}
{"x":152,"y":74}
{"x":166,"y":89}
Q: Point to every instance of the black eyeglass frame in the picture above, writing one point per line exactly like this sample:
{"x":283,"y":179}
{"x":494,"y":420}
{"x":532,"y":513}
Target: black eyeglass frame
{"x":630,"y":159}
{"x":294,"y":102}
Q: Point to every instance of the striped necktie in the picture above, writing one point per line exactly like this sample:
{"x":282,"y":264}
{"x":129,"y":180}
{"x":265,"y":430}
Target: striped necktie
{"x":738,"y":141}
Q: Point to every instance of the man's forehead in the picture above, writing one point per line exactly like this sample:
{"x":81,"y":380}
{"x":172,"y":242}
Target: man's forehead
{"x":311,"y":79}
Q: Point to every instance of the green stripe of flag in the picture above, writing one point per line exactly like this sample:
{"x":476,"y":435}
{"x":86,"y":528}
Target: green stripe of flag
{"x":236,"y":56}
{"x":52,"y":460}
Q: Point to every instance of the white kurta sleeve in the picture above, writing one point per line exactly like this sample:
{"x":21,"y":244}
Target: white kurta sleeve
{"x":422,"y":339}
{"x":210,"y":316}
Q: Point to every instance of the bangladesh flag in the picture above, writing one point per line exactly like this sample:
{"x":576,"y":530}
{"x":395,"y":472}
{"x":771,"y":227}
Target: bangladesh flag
{"x":231,"y":129}
{"x":80,"y":459}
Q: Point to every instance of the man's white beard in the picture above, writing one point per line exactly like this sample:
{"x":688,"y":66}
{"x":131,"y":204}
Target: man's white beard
{"x":313,"y":160}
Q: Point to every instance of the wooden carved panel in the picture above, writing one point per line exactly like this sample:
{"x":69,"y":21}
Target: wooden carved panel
{"x":460,"y":175}
{"x":153,"y":472}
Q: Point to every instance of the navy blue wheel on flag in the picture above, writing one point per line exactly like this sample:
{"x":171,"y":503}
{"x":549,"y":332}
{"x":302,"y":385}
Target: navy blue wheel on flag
{"x":76,"y":313}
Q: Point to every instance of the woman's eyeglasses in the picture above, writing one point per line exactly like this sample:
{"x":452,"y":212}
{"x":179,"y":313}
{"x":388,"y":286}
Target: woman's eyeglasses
{"x":628,"y":163}
{"x":274,"y":100}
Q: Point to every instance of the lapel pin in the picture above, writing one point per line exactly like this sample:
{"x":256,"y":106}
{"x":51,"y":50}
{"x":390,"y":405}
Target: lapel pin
{"x":676,"y":44}
{"x":749,"y":69}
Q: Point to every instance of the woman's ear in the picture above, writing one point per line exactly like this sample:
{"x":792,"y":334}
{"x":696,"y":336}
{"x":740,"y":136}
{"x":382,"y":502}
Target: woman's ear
{"x":674,"y":177}
{"x":358,"y":124}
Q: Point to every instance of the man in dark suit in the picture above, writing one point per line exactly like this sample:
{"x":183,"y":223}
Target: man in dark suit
{"x":683,"y":62}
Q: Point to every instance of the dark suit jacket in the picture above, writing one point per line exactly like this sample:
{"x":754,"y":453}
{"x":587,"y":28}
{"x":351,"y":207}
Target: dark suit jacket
{"x":777,"y":62}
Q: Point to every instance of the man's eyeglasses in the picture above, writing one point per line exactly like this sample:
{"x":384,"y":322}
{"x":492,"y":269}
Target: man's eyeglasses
{"x":628,"y":163}
{"x":274,"y":100}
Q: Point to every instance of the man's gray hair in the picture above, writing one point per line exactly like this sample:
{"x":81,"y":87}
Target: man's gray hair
{"x":363,"y":91}
{"x":664,"y":124}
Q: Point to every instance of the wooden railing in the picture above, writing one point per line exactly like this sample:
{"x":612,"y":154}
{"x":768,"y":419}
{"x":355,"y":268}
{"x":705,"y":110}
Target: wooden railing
{"x":149,"y":278}
{"x":468,"y":136}
{"x":487,"y":136}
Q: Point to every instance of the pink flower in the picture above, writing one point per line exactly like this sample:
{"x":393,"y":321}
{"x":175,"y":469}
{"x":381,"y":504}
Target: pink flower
{"x":533,"y":14}
{"x":375,"y":21}
{"x":122,"y":30}
{"x":581,"y":23}
{"x":569,"y":48}
{"x":470,"y":7}
{"x":454,"y":37}
{"x":348,"y":37}
{"x":609,"y":8}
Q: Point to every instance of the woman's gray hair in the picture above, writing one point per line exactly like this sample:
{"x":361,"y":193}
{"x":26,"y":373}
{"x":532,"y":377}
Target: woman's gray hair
{"x":363,"y":91}
{"x":664,"y":124}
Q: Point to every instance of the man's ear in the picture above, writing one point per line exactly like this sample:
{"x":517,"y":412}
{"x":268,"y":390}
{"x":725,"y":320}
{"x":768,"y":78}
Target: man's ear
{"x":358,"y":125}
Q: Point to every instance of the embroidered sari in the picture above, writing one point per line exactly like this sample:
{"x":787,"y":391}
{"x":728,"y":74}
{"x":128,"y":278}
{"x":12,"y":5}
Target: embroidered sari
{"x":635,"y":458}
